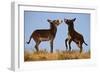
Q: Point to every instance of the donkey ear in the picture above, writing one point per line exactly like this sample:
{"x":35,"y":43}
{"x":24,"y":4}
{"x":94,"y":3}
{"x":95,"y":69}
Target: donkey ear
{"x":74,"y":19}
{"x":48,"y":20}
{"x":65,"y":20}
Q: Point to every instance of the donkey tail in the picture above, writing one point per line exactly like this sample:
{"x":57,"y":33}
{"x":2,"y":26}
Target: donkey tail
{"x":85,"y":43}
{"x":29,"y":40}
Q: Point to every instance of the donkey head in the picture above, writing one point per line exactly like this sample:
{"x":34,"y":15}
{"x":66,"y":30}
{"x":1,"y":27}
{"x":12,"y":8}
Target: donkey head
{"x":55,"y":22}
{"x":69,"y":21}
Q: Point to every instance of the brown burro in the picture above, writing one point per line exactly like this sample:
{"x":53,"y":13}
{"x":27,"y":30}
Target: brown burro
{"x":73,"y":35}
{"x":45,"y":34}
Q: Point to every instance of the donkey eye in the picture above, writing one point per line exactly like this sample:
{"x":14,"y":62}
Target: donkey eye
{"x":57,"y":21}
{"x":67,"y":21}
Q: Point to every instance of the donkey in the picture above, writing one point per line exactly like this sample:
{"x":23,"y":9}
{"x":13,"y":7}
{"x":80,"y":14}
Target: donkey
{"x":73,"y":35}
{"x":45,"y":34}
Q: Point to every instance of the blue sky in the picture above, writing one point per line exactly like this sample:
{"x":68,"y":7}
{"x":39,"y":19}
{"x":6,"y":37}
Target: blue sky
{"x":38,"y":20}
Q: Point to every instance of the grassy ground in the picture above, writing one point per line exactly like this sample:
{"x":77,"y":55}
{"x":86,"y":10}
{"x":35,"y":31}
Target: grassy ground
{"x":63,"y":55}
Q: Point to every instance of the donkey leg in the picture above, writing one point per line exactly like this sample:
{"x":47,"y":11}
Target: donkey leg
{"x":36,"y":46}
{"x":80,"y":46}
{"x":69,"y":44}
{"x":66,"y":43}
{"x":51,"y":43}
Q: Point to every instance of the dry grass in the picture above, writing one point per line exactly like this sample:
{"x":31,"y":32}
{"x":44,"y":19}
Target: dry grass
{"x":63,"y":55}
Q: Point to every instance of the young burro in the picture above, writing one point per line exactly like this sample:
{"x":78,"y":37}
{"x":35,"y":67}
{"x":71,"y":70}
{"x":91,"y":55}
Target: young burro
{"x":73,"y":35}
{"x":46,"y":34}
